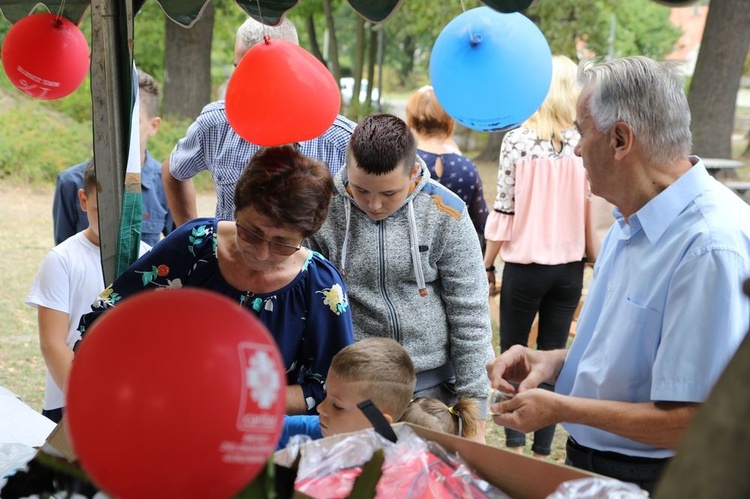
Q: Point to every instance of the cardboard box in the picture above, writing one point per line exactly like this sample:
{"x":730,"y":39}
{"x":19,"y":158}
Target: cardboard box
{"x":519,"y":476}
{"x":58,"y":443}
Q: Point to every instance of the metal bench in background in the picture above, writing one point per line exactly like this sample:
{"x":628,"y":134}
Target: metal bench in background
{"x":725,"y":170}
{"x":721,"y":166}
{"x":742,"y":188}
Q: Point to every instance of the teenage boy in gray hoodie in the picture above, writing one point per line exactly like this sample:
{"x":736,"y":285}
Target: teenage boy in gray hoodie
{"x":412,"y":262}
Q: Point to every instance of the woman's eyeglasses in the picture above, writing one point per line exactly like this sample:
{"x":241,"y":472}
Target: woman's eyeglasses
{"x":251,"y":237}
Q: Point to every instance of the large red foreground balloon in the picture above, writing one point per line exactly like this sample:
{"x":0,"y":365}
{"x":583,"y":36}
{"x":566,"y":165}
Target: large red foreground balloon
{"x":45,"y":56}
{"x":175,"y":394}
{"x":281,"y":94}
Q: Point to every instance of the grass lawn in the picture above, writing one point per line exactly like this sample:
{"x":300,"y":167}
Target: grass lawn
{"x":27,"y":214}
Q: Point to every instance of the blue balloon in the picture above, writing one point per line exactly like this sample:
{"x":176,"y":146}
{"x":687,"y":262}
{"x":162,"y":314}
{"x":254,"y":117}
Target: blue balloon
{"x":490,"y":71}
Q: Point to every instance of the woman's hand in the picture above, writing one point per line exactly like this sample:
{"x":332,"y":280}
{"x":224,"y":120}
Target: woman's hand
{"x":491,"y":280}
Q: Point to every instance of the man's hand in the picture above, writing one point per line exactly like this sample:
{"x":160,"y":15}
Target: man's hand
{"x":521,"y":368}
{"x":527,"y":411}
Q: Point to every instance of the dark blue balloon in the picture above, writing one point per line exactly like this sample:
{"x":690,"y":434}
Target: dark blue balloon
{"x":490,"y":71}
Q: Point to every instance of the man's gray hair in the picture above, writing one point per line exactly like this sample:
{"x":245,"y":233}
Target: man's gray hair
{"x":647,"y":95}
{"x":252,"y":32}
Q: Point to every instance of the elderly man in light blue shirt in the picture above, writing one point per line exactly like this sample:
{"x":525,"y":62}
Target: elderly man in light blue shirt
{"x":665,"y":311}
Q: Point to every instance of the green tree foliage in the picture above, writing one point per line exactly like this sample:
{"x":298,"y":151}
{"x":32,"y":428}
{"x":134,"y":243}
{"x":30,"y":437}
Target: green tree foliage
{"x":411,"y":32}
{"x":345,"y":24}
{"x":227,"y":19}
{"x":148,"y":50}
{"x":642,"y":27}
{"x":300,"y":14}
{"x":566,"y":22}
{"x":148,"y":43}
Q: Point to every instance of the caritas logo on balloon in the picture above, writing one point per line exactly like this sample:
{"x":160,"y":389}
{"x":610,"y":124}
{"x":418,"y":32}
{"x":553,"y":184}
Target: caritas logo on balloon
{"x":45,"y":56}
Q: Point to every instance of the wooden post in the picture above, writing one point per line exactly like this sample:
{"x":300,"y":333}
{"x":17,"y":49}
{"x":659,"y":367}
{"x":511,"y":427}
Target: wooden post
{"x":111,"y":95}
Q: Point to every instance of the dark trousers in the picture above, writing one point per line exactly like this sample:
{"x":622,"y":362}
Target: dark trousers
{"x":642,"y":471}
{"x":554,"y":292}
{"x":53,"y":414}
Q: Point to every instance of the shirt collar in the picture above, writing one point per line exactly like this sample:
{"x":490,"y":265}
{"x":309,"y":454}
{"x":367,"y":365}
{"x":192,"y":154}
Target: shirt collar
{"x":659,"y":213}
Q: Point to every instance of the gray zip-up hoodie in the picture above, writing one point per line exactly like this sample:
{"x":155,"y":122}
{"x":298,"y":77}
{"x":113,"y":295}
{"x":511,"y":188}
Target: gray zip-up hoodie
{"x":427,"y":247}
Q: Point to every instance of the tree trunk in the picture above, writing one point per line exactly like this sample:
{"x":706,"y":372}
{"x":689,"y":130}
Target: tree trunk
{"x":187,"y":66}
{"x":716,"y":80}
{"x":333,"y":46}
{"x":359,"y":60}
{"x":372,"y":61}
{"x":410,"y":47}
{"x":314,"y":46}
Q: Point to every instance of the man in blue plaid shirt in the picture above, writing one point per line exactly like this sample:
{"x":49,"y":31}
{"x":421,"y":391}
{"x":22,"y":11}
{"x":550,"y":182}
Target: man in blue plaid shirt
{"x":211,"y":143}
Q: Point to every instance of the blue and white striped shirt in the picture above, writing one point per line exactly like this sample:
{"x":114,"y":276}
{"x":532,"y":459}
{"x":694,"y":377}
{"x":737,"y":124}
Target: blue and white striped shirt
{"x":211,"y":144}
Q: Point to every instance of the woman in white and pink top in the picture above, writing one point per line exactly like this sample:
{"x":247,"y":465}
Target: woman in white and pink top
{"x":538,"y":227}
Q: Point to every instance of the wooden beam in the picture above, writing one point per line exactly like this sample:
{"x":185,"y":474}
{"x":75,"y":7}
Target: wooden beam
{"x":111,"y":83}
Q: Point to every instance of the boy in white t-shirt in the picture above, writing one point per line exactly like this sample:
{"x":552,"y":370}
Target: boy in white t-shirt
{"x":68,"y":281}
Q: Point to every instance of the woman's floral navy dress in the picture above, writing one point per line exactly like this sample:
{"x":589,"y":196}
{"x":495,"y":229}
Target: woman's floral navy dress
{"x":309,"y":317}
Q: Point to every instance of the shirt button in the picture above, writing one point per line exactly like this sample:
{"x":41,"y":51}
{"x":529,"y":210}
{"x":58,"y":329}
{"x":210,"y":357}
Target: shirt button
{"x":609,"y":288}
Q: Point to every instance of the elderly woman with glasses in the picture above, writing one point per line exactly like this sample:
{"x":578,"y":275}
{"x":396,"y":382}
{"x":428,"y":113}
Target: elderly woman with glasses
{"x":281,"y":198}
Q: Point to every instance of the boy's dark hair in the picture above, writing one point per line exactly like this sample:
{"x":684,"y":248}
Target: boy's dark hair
{"x":291,"y":189}
{"x":90,"y":184}
{"x":149,"y":94}
{"x":381,"y":370}
{"x":380,"y":144}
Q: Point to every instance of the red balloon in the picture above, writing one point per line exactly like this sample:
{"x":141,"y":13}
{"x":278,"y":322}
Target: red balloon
{"x":177,"y":393}
{"x":45,"y":56}
{"x":281,"y":94}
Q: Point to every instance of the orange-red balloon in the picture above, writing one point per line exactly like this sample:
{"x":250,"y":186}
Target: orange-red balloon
{"x":45,"y":56}
{"x":177,"y":393}
{"x":281,"y":94}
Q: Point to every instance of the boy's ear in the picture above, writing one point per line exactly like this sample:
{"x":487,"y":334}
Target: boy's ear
{"x":154,"y":127}
{"x":388,"y":417}
{"x":415,"y":171}
{"x":83,"y":199}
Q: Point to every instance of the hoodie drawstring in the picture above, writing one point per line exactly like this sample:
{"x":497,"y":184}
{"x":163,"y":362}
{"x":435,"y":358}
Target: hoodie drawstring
{"x":345,"y":246}
{"x":414,"y":242}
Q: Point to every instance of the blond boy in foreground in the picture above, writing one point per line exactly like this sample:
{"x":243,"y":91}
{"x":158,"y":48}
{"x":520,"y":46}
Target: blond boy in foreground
{"x":378,"y":369}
